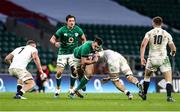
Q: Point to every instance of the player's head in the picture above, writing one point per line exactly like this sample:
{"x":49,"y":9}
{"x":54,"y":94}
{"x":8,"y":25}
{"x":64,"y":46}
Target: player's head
{"x":157,"y":21}
{"x":97,"y":44}
{"x":70,"y":21}
{"x":31,"y":42}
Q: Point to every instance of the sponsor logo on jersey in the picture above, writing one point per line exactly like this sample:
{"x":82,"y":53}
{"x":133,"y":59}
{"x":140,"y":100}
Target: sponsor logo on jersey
{"x":76,"y":34}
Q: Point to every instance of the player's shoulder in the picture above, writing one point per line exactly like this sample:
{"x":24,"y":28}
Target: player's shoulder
{"x":77,"y":27}
{"x":62,"y":28}
{"x":30,"y":48}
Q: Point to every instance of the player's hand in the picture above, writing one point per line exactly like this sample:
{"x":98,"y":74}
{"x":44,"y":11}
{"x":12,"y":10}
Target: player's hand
{"x":43,"y":76}
{"x":57,"y":44}
{"x":173,"y":53}
{"x":143,"y":62}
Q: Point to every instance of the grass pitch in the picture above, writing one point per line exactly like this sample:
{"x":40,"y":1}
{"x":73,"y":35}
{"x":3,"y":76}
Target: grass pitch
{"x":91,"y":102}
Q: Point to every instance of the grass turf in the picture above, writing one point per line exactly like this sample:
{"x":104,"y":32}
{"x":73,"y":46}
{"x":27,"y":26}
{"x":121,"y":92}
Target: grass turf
{"x":91,"y":102}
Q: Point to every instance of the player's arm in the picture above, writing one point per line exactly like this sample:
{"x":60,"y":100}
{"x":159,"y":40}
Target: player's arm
{"x":173,"y":49}
{"x":37,"y":62}
{"x":8,"y":58}
{"x":54,"y":41}
{"x":87,"y":61}
{"x":142,"y":50}
{"x":83,"y":38}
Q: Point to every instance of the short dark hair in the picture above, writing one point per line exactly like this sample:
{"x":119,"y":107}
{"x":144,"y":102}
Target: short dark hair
{"x":157,"y":20}
{"x":98,"y":40}
{"x":30,"y":42}
{"x":70,"y":16}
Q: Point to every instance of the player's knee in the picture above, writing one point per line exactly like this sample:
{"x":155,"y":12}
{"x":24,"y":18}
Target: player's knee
{"x":58,"y":74}
{"x":88,"y":76}
{"x":74,"y":72}
{"x":129,"y":76}
{"x":114,"y":79}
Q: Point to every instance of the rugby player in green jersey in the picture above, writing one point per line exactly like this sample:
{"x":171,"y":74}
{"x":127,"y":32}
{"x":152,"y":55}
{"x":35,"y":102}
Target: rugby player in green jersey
{"x":66,"y":39}
{"x":81,"y":59}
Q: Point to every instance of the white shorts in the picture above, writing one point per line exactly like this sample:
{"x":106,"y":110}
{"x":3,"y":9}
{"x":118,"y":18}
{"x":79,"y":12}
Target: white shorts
{"x":76,"y":63}
{"x":120,"y":64}
{"x":63,"y":60}
{"x":22,"y":74}
{"x":158,"y":62}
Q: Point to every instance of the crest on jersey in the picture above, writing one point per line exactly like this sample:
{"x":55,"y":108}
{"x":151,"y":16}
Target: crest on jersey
{"x":76,"y":34}
{"x":71,"y":40}
{"x":65,"y":34}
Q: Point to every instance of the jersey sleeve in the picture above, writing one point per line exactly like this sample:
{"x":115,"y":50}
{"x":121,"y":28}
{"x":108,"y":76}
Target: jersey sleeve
{"x":80,"y":31}
{"x":147,"y":35}
{"x":34,"y":50}
{"x":58,"y":33}
{"x":85,"y":52}
{"x":15,"y":51}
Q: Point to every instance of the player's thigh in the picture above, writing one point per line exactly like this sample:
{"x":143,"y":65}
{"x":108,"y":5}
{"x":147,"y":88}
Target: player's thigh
{"x":62,"y":60}
{"x":166,"y":66}
{"x":89,"y":69}
{"x":114,"y":76}
{"x":148,"y":73}
{"x":21,"y":74}
{"x":113,"y":66}
{"x":71,"y":60}
{"x":150,"y":66}
{"x":125,"y":67}
{"x":60,"y":69}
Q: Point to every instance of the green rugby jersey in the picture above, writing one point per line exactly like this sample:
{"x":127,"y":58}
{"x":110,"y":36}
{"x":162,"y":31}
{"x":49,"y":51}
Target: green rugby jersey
{"x":68,"y":39}
{"x":84,"y":50}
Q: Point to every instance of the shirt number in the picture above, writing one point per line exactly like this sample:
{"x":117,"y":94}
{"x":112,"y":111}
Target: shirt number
{"x":158,"y":39}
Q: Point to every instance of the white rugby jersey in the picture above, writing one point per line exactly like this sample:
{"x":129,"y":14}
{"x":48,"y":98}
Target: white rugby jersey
{"x":110,"y":55}
{"x":22,"y":56}
{"x":158,"y":40}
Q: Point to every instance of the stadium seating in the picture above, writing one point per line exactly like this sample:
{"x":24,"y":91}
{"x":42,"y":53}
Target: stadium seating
{"x":9,"y":41}
{"x":168,"y":9}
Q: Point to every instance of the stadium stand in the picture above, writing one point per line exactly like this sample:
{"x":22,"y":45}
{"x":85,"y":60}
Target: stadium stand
{"x":168,"y":9}
{"x":9,"y":41}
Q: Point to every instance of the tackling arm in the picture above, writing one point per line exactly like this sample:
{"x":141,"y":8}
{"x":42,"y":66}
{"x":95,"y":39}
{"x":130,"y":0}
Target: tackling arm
{"x":87,"y":61}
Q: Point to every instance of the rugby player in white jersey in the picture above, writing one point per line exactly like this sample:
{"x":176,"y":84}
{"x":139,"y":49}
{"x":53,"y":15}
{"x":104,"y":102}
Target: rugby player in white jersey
{"x":18,"y":60}
{"x":117,"y":62}
{"x":158,"y":39}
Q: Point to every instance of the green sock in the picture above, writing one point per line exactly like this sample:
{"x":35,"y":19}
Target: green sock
{"x":72,"y":79}
{"x":83,"y":82}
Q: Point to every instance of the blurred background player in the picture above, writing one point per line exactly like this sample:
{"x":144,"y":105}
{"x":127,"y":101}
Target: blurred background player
{"x":157,"y":58}
{"x":68,"y":36}
{"x":81,"y":59}
{"x":52,"y":67}
{"x":117,"y":62}
{"x":18,"y":60}
{"x":41,"y":82}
